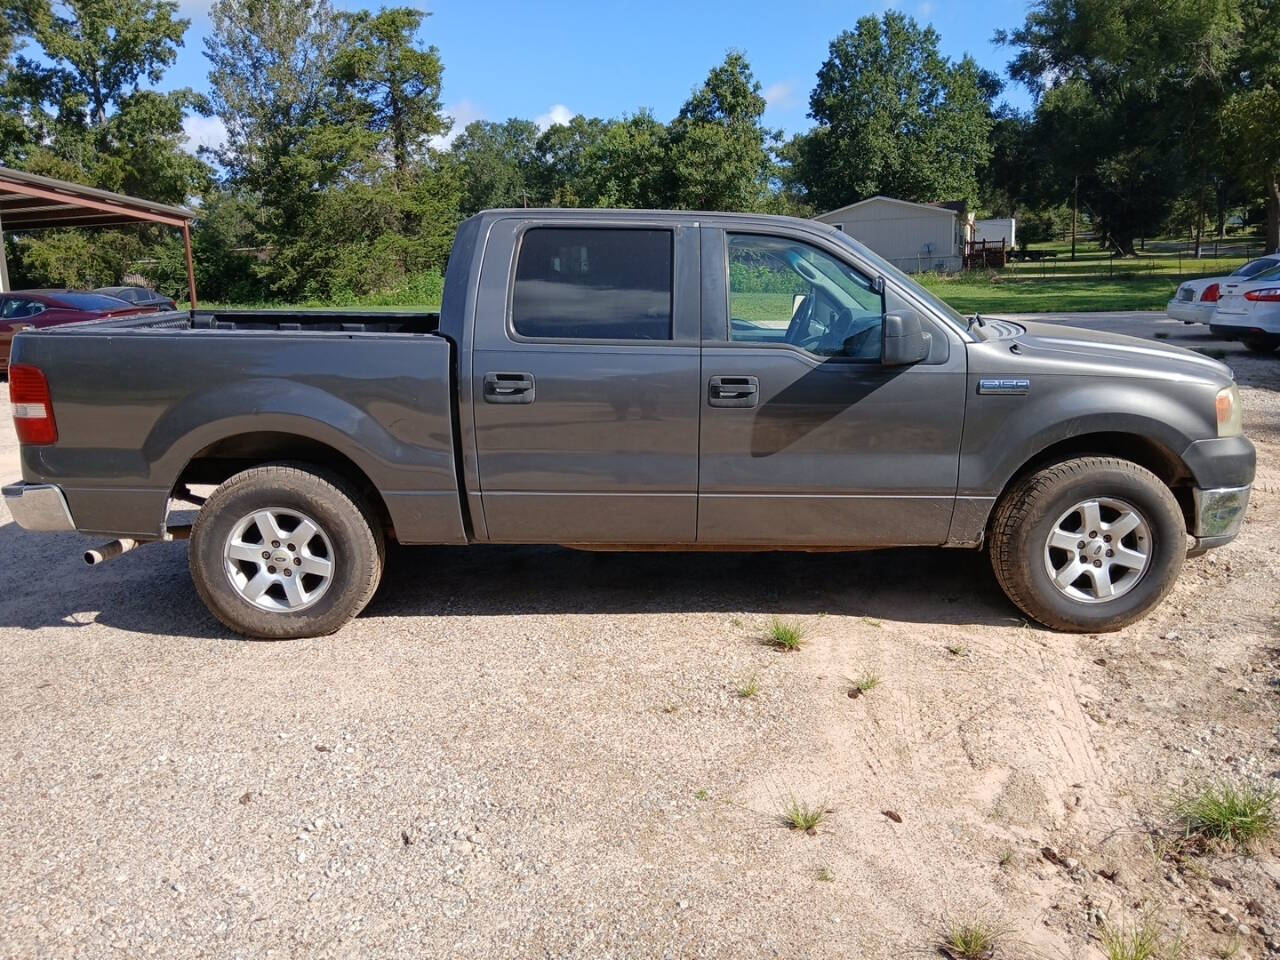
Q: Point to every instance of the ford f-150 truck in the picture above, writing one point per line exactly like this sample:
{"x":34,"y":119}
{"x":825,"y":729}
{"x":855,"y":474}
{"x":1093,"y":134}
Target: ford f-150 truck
{"x":632,"y":379}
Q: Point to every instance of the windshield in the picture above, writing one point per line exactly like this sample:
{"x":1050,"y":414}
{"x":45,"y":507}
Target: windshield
{"x":1257,"y":267}
{"x":89,"y":301}
{"x":889,"y":270}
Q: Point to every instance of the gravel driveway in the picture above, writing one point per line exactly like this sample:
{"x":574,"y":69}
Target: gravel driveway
{"x":540,"y":753}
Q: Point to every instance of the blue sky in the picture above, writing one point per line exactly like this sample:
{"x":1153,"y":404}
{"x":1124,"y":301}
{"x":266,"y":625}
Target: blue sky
{"x":548,"y":61}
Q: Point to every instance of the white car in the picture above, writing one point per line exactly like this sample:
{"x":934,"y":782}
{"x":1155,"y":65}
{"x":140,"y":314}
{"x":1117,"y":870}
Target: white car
{"x":1196,"y":299}
{"x":1249,"y":311}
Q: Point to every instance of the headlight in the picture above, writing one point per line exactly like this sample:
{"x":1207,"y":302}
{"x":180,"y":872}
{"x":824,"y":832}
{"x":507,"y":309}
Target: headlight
{"x":1230,"y":412}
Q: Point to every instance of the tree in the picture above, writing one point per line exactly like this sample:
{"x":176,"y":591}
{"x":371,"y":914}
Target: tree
{"x":1134,"y":86}
{"x":562,"y":174}
{"x":720,"y":156}
{"x":81,"y":110}
{"x":396,"y":84}
{"x":290,"y":136}
{"x":1252,"y":114}
{"x":629,"y":166}
{"x":497,"y":162}
{"x":895,"y":117}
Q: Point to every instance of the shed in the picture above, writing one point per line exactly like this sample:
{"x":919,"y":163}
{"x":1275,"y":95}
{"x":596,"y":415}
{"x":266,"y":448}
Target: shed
{"x":912,"y":236}
{"x":30,"y":202}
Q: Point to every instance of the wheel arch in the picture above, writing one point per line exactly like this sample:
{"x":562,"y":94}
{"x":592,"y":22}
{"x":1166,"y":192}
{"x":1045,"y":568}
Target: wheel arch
{"x":223,"y":458}
{"x":1145,"y":451}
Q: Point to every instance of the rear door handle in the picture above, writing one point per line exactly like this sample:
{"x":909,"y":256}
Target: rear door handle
{"x":508,"y":388}
{"x":724,"y":391}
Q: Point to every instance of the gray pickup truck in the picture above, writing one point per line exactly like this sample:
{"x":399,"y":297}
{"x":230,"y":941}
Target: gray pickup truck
{"x":632,"y":380}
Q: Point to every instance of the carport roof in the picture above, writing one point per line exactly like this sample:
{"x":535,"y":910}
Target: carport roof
{"x":32,"y":202}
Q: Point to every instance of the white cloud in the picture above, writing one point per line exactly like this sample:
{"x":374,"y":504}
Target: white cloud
{"x":780,"y":95}
{"x":558,"y":113}
{"x":203,"y":132}
{"x":463,"y":112}
{"x":927,"y":9}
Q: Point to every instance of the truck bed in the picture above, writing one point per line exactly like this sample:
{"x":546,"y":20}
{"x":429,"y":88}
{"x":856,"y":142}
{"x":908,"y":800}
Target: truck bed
{"x":147,"y":403}
{"x":278,"y":321}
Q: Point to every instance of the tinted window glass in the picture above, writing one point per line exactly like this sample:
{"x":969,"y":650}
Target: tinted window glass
{"x":783,"y":291}
{"x":593,"y":284}
{"x":1256,"y":267}
{"x":90,"y":301}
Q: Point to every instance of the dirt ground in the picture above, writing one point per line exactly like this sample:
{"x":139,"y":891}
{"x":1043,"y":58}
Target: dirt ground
{"x":540,"y":753}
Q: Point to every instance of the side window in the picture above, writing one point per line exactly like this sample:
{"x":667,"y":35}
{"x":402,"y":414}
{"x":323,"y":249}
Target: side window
{"x":19,"y":309}
{"x":784,"y":291}
{"x":593,"y":284}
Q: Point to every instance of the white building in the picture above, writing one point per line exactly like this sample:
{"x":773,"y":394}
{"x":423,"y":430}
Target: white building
{"x":912,"y":236}
{"x":993,"y":231}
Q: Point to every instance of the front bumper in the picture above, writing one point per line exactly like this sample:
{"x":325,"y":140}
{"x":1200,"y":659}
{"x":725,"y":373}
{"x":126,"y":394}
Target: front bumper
{"x":1218,"y":514}
{"x":39,"y":506}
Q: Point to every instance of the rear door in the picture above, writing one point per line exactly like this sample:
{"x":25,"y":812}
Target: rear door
{"x":585,"y":381}
{"x":806,"y":438}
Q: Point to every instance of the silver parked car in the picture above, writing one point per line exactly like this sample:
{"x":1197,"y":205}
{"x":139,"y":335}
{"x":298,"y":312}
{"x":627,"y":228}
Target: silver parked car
{"x":1196,"y":299}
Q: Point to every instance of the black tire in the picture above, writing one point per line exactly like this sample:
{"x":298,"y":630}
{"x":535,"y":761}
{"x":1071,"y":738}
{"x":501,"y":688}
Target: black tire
{"x":1027,"y":514}
{"x":339,"y":511}
{"x":1261,"y":344}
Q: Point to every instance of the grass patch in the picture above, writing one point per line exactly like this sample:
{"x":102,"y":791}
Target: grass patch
{"x":1006,"y":858}
{"x":1143,"y":941}
{"x":702,"y":795}
{"x":750,"y":688}
{"x":785,"y":636}
{"x":825,"y":875}
{"x":957,"y":649}
{"x":863,"y":683}
{"x":1239,"y":815}
{"x":803,"y":815}
{"x":971,"y":939}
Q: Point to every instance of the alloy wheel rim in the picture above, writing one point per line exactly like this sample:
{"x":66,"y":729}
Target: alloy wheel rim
{"x":1098,"y":550}
{"x":279,"y":559}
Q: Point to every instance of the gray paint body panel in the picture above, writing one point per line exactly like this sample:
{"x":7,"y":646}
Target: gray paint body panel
{"x":620,"y":444}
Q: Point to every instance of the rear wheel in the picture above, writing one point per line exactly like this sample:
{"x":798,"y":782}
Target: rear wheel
{"x":280,"y":552}
{"x":1091,"y":544}
{"x":1262,"y":344}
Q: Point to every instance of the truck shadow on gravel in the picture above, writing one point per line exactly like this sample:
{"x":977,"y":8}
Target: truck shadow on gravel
{"x":923,"y":586}
{"x":45,"y":583}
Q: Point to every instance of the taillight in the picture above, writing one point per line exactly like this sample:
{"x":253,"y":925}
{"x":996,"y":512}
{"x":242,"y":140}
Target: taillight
{"x":1265,"y":295}
{"x":32,"y":405}
{"x":1210,"y":294}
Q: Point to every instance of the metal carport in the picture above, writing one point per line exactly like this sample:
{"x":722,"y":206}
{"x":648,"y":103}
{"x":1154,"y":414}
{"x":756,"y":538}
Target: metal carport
{"x":30,"y":202}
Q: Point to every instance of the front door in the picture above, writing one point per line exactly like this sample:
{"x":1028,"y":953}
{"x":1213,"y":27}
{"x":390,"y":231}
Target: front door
{"x":585,"y":384}
{"x":806,"y":437}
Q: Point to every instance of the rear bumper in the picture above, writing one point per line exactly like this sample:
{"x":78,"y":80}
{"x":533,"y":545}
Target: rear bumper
{"x":1228,"y":330}
{"x":39,"y":506}
{"x":1189,"y":311}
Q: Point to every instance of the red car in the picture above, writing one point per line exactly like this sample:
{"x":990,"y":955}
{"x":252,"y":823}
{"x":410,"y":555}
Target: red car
{"x":48,"y":308}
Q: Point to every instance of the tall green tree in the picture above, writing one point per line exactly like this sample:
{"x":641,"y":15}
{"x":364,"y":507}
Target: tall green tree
{"x":894,"y":117}
{"x":81,"y":107}
{"x":1251,"y":115}
{"x":497,"y":163}
{"x":629,"y":166}
{"x":720,"y":149}
{"x":394,"y":82}
{"x":1130,"y":90}
{"x":290,"y":135}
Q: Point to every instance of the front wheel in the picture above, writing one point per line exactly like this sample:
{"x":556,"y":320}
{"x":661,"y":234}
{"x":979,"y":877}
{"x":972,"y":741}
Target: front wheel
{"x":1088,"y":545}
{"x":280,"y":552}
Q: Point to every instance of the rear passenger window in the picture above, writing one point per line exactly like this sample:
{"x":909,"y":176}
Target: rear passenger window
{"x":593,"y":284}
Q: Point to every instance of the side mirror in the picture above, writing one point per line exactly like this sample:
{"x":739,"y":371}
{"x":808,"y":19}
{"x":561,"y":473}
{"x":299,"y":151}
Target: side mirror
{"x":903,"y":340}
